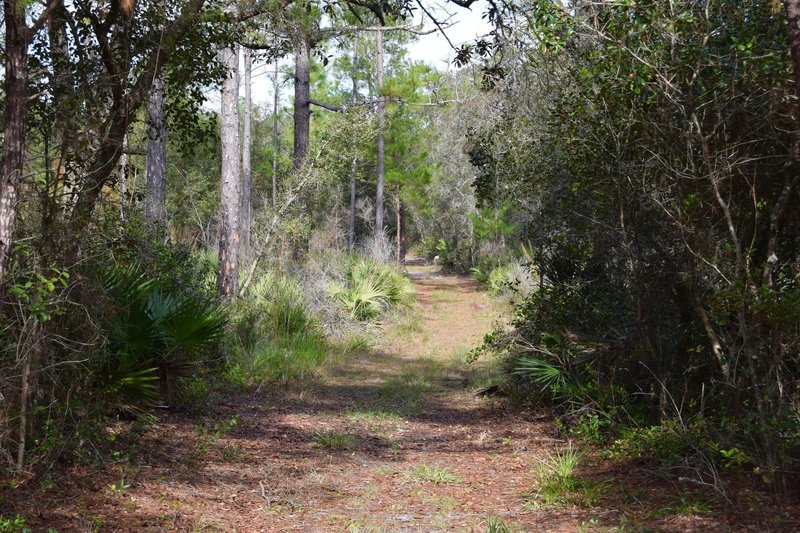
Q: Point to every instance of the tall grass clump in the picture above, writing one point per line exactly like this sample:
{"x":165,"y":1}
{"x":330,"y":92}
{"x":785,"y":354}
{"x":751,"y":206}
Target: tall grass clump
{"x":277,"y":338}
{"x":557,"y":481}
{"x":371,"y":288}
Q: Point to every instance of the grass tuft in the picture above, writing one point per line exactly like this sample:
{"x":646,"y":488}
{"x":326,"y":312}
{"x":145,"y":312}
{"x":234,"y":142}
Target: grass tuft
{"x":437,"y":475}
{"x":558,"y":483}
{"x":496,"y":525}
{"x":335,"y":440}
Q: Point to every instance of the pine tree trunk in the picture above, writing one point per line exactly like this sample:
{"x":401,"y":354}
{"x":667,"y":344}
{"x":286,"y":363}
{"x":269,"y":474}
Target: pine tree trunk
{"x":230,"y":201}
{"x":302,"y":108}
{"x":401,"y":228}
{"x":247,"y":177}
{"x":379,"y":201}
{"x":276,"y":141}
{"x":31,"y":353}
{"x":16,"y":106}
{"x":351,"y":228}
{"x":155,"y":189}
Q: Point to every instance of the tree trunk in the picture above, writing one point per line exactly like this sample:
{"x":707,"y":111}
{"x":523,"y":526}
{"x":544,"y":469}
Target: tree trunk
{"x":121,"y":114}
{"x":155,"y":189}
{"x":230,"y":202}
{"x":276,"y":141}
{"x":247,"y":177}
{"x":351,"y":227}
{"x":67,"y":101}
{"x":381,"y":119}
{"x":30,"y":352}
{"x":123,"y":178}
{"x":793,"y":14}
{"x":302,"y":107}
{"x":16,"y":106}
{"x":401,"y":228}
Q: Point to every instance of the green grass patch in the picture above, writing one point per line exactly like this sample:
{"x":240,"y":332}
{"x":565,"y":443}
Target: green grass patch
{"x":496,"y":525}
{"x":438,"y":475}
{"x":12,"y":525}
{"x":360,"y":527}
{"x":558,"y":483}
{"x":402,"y":395}
{"x":279,"y":360}
{"x":442,"y":503}
{"x":408,"y":323}
{"x":385,"y":470}
{"x":335,"y":440}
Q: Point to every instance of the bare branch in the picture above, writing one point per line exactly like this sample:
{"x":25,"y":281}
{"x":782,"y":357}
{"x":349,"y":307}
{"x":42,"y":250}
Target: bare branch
{"x":324,"y":105}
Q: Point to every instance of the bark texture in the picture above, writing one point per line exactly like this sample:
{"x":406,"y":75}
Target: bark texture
{"x":16,"y":105}
{"x":155,"y":189}
{"x":123,"y":179}
{"x":276,"y":140}
{"x":230,"y":201}
{"x":351,"y":226}
{"x":302,"y":105}
{"x":379,"y":193}
{"x":790,"y":181}
{"x":793,"y":14}
{"x":247,"y":176}
{"x":400,"y":211}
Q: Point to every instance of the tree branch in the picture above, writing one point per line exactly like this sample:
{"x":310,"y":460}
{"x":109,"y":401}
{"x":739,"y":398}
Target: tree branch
{"x":55,"y":4}
{"x":329,"y":107}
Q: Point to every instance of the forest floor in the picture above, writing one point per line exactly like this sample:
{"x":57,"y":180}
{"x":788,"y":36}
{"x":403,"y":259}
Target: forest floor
{"x":394,"y":439}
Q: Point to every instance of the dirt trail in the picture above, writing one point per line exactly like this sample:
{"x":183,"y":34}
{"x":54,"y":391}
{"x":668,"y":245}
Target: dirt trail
{"x":422,"y":453}
{"x":392,"y":440}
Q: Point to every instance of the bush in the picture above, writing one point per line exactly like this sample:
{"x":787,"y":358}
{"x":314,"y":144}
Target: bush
{"x":371,"y":288}
{"x":277,"y":337}
{"x":275,"y":307}
{"x":155,"y":338}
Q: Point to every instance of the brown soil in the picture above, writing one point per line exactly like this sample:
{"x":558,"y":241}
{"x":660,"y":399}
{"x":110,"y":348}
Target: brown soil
{"x":419,"y":452}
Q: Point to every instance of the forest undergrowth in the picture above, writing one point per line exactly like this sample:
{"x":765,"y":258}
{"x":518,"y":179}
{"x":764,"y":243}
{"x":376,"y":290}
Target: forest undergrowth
{"x":205,"y":302}
{"x":395,"y":434}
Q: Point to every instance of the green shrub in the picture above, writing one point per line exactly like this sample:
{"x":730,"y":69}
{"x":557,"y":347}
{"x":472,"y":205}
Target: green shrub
{"x":633,"y":443}
{"x":372,"y":288}
{"x":155,"y":338}
{"x":274,"y":307}
{"x":497,"y":279}
{"x":178,"y":267}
